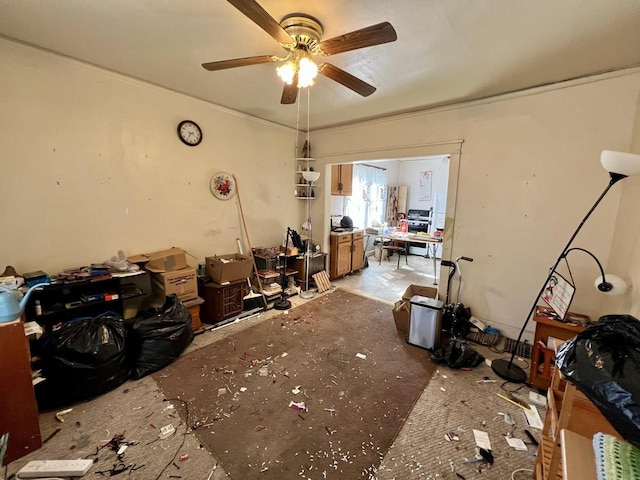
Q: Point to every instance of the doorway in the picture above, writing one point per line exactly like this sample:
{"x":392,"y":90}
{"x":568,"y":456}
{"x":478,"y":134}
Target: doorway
{"x":429,"y":184}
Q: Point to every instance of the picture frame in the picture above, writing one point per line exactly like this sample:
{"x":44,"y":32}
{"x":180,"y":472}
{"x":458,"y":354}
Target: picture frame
{"x":558,"y":294}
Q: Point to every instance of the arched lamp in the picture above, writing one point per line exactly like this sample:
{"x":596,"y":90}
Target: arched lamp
{"x":619,"y":165}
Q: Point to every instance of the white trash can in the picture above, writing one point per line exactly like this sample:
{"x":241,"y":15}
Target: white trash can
{"x":426,"y":322}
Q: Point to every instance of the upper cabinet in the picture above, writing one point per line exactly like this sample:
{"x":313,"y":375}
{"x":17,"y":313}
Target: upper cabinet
{"x":341,"y":180}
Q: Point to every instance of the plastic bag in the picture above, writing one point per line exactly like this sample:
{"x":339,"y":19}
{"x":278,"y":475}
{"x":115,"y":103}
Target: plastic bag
{"x":159,"y":336}
{"x":84,"y":358}
{"x":603,"y":362}
{"x":457,"y":354}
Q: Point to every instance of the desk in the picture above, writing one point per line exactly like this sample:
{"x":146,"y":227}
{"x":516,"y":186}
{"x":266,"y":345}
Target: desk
{"x":430,"y":243}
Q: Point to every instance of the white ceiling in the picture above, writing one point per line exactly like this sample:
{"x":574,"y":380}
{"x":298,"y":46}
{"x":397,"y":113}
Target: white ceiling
{"x":447,"y":51}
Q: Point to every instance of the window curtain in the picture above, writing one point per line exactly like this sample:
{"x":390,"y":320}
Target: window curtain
{"x":369,"y":196}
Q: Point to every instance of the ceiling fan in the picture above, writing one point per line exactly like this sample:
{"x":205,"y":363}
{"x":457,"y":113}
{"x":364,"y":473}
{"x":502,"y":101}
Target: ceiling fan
{"x":301,"y":36}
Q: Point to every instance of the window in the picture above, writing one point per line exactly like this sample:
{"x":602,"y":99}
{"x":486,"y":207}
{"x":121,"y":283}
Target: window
{"x":366,"y":206}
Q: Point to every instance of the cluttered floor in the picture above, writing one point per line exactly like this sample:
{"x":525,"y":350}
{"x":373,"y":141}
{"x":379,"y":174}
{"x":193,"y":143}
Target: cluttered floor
{"x":456,"y":412}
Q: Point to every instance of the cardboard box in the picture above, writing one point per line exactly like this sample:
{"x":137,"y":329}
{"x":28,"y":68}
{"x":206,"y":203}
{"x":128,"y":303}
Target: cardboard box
{"x":402,"y":308}
{"x":401,"y":315}
{"x":228,"y":268}
{"x":181,"y":282}
{"x":162,"y":261}
{"x":431,"y":292}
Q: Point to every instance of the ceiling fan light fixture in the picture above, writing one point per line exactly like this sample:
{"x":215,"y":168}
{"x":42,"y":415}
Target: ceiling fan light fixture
{"x":307,"y":72}
{"x":287,"y":71}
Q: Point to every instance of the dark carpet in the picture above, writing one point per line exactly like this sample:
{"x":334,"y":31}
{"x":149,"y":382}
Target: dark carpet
{"x":239,"y":391}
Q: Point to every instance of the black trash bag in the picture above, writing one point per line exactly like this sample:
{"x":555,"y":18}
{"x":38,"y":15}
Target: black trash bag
{"x":159,"y":336}
{"x":84,"y":358}
{"x":603,"y":362}
{"x":457,"y":354}
{"x":456,"y":319}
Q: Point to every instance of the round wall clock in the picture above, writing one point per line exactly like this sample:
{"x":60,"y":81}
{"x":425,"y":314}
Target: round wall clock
{"x":190,"y":133}
{"x":222,"y":186}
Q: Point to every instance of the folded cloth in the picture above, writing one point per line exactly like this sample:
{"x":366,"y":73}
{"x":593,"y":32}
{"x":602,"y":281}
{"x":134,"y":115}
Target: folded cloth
{"x":615,"y":459}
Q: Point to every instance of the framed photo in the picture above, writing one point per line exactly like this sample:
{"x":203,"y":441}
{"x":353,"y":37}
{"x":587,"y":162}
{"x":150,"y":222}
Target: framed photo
{"x":558,"y":293}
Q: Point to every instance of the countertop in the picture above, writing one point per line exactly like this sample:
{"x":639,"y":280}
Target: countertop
{"x":355,"y":230}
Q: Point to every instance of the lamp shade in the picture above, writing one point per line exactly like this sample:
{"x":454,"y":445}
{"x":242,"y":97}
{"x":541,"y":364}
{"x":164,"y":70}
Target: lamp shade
{"x":617,"y":285}
{"x":311,"y":176}
{"x":620,"y":162}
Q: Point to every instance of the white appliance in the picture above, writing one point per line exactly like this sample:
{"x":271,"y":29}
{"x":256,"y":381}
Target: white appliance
{"x":439,"y":216}
{"x":426,"y":322}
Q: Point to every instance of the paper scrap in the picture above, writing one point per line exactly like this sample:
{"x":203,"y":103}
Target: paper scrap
{"x":482,"y":439}
{"x":222,"y":391}
{"x":296,"y":390}
{"x":32,"y":328}
{"x":243,"y":389}
{"x":300,"y":406}
{"x":533,"y":417}
{"x":361,"y":355}
{"x":516,"y":443}
{"x":538,"y":399}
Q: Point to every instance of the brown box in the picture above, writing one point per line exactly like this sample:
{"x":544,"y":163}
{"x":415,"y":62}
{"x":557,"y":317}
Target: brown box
{"x":401,"y":315}
{"x":162,"y":261}
{"x":405,"y":313}
{"x":431,"y":292}
{"x":228,"y":268}
{"x":181,"y":282}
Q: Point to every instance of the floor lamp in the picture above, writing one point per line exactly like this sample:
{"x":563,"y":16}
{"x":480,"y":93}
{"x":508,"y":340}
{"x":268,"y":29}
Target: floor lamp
{"x":619,"y":165}
{"x":310,"y":176}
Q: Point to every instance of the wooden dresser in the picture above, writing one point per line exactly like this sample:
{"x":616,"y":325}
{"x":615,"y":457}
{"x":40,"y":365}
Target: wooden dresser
{"x":18,"y":408}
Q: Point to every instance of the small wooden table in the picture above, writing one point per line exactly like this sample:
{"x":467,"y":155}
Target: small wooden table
{"x":542,"y":352}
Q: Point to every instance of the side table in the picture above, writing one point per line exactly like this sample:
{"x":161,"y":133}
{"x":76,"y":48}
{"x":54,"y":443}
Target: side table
{"x":543,"y":352}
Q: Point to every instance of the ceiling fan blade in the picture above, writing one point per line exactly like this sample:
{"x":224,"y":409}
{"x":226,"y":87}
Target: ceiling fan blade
{"x":290,"y":92}
{"x":365,"y":37}
{"x":252,"y":10}
{"x":238,"y":62}
{"x":354,"y":83}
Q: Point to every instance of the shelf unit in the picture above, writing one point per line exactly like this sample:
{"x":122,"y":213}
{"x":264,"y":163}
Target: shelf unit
{"x":304,"y":190}
{"x":567,"y":409}
{"x":61,"y":302}
{"x":270,"y":271}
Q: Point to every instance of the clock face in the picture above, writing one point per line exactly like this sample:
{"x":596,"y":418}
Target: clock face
{"x":190,"y":133}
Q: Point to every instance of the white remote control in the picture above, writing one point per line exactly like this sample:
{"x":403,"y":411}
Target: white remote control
{"x":55,"y":468}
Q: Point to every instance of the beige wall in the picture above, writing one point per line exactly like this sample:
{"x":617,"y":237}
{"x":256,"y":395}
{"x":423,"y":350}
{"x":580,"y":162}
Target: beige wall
{"x":528,"y":172}
{"x":91,"y":163}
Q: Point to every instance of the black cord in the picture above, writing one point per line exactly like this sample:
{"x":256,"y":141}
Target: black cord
{"x":184,"y":435}
{"x":510,"y":391}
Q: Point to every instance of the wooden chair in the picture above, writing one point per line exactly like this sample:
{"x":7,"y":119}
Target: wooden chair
{"x":394,"y":246}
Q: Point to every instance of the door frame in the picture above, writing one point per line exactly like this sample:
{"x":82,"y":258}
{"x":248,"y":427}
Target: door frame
{"x":451,"y":148}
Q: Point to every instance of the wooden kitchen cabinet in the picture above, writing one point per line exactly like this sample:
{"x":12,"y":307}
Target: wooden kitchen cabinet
{"x":347,"y":253}
{"x":342,"y":180}
{"x":543,"y":354}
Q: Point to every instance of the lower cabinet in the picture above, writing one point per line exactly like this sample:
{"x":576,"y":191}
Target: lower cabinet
{"x":347,"y":253}
{"x":221,"y":301}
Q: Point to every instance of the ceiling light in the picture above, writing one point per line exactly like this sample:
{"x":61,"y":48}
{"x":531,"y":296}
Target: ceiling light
{"x":286,"y":72}
{"x":301,"y":65}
